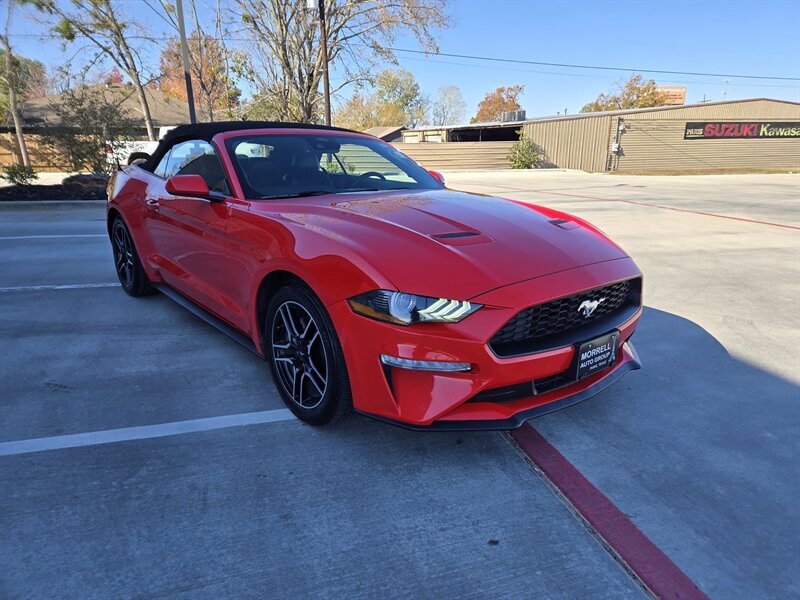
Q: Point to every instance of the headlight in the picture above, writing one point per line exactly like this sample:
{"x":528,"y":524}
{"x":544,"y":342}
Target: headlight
{"x":404,"y":309}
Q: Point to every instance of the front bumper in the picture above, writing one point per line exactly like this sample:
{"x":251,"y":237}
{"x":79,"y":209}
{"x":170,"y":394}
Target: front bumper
{"x":439,"y":400}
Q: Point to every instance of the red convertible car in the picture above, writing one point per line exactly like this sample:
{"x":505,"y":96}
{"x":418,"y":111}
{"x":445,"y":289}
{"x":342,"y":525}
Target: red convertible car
{"x":366,"y":284}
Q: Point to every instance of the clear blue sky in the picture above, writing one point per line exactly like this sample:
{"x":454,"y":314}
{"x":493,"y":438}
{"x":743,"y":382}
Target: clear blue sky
{"x":718,"y":36}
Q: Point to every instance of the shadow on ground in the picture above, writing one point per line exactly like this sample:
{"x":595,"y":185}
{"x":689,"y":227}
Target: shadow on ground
{"x":700,"y":449}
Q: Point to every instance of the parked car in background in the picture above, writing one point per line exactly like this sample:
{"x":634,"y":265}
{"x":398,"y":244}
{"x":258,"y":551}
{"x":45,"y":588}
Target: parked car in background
{"x":367,"y":284}
{"x":126,"y":152}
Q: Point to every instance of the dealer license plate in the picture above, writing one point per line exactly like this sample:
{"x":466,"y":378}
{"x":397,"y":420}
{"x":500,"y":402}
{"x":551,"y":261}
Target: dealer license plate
{"x":597,"y":354}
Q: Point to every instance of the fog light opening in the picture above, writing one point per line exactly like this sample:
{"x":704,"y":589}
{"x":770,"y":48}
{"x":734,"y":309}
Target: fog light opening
{"x":426,"y":365}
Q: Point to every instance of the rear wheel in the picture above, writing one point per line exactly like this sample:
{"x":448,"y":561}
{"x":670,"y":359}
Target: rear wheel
{"x":305,"y":356}
{"x":126,"y":261}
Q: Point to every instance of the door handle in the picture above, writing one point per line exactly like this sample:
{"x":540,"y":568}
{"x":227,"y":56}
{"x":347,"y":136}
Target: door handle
{"x":152,"y":203}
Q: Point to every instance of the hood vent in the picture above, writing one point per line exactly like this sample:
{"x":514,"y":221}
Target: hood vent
{"x":564,"y":224}
{"x":461,"y":238}
{"x":455,"y":234}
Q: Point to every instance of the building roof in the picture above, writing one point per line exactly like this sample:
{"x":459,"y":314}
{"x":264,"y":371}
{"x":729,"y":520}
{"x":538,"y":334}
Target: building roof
{"x":589,"y":115}
{"x":384,"y":132}
{"x":164,"y":110}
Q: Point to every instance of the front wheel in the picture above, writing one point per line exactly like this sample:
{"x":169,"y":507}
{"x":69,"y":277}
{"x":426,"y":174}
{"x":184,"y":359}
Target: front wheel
{"x":305,"y":356}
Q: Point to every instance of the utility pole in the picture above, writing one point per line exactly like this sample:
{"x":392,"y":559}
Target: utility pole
{"x":185,"y":53}
{"x":725,"y":92}
{"x":323,"y":34}
{"x":319,"y":5}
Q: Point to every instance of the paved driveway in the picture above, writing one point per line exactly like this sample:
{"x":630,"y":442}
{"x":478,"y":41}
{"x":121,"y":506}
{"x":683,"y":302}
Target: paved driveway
{"x":699,"y":448}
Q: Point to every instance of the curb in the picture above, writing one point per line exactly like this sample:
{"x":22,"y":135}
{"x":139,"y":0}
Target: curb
{"x":649,"y":566}
{"x":49,"y":204}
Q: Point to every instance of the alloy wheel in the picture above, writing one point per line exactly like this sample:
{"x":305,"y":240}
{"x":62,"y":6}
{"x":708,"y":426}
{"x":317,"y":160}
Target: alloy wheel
{"x":299,"y":353}
{"x":123,"y":255}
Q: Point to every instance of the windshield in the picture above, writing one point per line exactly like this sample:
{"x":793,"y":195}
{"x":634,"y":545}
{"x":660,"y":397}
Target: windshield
{"x":296,"y":165}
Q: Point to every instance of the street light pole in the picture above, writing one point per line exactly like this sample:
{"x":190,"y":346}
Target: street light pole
{"x":185,"y":53}
{"x":323,"y":34}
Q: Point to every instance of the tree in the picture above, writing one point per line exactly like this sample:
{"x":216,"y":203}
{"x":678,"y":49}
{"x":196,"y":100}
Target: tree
{"x":30,"y":78}
{"x":359,"y":112}
{"x":398,"y":93}
{"x":503,"y":99}
{"x":285,"y":64}
{"x":13,"y":84}
{"x":449,"y":106}
{"x":88,"y":118}
{"x":634,"y":93}
{"x":212,"y":86}
{"x":210,"y":61}
{"x":396,"y":101}
{"x":98,"y":22}
{"x":114,"y":77}
{"x":524,"y":153}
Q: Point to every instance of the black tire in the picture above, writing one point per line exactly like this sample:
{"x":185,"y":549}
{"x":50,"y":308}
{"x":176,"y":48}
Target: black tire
{"x":140,"y":156}
{"x":126,"y":261}
{"x":299,"y":340}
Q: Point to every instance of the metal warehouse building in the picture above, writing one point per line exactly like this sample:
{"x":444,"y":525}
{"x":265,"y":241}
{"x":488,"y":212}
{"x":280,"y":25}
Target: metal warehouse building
{"x":741,"y":134}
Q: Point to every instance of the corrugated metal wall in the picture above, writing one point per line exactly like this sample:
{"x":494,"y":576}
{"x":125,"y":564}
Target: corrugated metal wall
{"x":658,"y":144}
{"x":657,"y":141}
{"x":746,"y":110}
{"x":459,"y":155}
{"x":572,"y":143}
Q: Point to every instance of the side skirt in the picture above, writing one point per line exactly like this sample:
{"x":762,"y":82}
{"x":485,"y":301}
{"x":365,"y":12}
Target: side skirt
{"x":206,"y":316}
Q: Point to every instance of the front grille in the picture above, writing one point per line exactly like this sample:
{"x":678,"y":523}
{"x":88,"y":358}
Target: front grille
{"x":559,"y":322}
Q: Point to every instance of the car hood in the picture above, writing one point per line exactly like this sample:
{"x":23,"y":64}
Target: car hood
{"x":455,"y":244}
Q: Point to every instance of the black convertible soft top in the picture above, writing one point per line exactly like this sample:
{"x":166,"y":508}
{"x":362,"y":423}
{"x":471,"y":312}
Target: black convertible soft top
{"x":206,"y":131}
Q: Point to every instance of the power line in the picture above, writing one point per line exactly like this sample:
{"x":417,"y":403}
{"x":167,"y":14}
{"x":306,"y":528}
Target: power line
{"x":572,"y":66}
{"x":491,"y":59}
{"x":431,"y":59}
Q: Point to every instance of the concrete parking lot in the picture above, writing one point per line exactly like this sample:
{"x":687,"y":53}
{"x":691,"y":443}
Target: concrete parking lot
{"x":699,"y":448}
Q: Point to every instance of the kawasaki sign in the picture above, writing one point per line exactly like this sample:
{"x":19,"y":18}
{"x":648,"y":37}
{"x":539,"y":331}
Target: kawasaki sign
{"x":741,"y":130}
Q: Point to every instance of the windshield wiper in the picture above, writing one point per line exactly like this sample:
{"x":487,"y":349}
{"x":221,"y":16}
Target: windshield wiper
{"x":299,"y":194}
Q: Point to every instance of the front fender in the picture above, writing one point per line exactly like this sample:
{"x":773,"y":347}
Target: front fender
{"x":333,"y":270}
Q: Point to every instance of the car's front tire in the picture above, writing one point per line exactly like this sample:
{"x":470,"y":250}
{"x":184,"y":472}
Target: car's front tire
{"x":126,"y":261}
{"x":306,"y":357}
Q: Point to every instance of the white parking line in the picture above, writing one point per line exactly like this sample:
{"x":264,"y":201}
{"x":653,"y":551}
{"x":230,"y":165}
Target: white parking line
{"x":144,"y":432}
{"x":66,"y":286}
{"x":45,"y":237}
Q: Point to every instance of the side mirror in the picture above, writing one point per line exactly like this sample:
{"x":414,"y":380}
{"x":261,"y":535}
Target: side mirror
{"x":437,"y":176}
{"x":187,"y":185}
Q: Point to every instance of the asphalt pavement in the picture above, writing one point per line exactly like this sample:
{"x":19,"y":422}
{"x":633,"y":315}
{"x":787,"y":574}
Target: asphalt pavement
{"x":699,"y":448}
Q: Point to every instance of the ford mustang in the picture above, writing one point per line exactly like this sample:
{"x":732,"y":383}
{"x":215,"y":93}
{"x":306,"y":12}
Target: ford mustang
{"x":368,"y":285}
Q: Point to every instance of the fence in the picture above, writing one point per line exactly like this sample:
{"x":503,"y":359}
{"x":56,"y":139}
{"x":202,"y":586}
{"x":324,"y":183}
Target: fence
{"x":449,"y":156}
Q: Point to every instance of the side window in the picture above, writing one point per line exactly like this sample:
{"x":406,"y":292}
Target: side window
{"x":197,"y":157}
{"x":161,"y":169}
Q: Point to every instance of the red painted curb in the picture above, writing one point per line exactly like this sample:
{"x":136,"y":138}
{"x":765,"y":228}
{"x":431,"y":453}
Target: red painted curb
{"x":653,"y":568}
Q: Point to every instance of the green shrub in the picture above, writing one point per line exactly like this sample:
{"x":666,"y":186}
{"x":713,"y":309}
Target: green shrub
{"x":524,"y":153}
{"x":88,"y":118}
{"x":19,"y":174}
